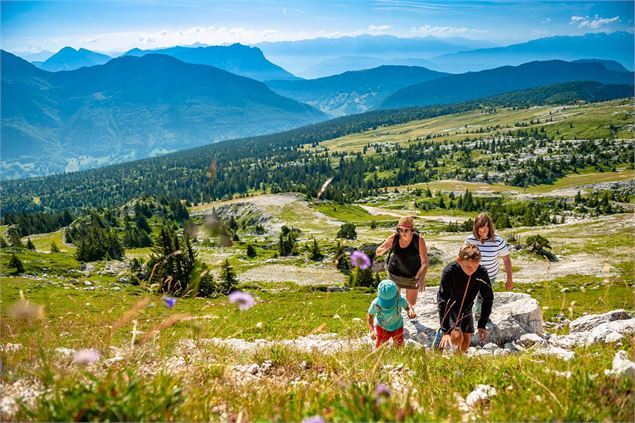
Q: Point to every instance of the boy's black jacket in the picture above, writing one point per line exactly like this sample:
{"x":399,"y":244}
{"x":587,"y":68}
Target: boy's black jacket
{"x":451,"y":290}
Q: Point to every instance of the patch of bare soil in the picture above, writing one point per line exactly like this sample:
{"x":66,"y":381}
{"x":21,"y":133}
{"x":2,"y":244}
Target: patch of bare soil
{"x":315,"y":275}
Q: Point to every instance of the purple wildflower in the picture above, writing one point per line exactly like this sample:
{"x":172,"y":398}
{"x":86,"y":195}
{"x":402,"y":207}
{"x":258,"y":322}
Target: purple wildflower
{"x":359,"y":259}
{"x":244,"y":300}
{"x":169,"y":302}
{"x":383,"y":390}
{"x":86,"y":356}
{"x":314,"y":419}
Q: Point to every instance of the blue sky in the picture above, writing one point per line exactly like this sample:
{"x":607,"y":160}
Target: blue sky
{"x":120,"y":25}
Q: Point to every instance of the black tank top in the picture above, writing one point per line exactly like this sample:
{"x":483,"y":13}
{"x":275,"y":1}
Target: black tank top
{"x":405,"y":262}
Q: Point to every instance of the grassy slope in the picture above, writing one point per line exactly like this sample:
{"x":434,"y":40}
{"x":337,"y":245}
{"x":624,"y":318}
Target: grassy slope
{"x":585,"y":121}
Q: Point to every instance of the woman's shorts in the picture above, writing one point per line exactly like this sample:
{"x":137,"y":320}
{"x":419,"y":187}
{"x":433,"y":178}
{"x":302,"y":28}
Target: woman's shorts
{"x":403,"y":282}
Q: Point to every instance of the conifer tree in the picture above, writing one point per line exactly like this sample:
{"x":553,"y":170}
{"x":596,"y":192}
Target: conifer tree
{"x":17,"y":264}
{"x":228,"y":279}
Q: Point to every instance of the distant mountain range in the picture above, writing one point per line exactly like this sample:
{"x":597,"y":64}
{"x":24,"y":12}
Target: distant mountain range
{"x":306,"y":57}
{"x":70,"y":59}
{"x":343,"y":64}
{"x":353,"y":92}
{"x":129,"y":108}
{"x":472,"y":85}
{"x":616,"y":46}
{"x":237,"y":58}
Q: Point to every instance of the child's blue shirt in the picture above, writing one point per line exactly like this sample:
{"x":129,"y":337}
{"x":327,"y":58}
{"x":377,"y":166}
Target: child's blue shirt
{"x":389,"y":319}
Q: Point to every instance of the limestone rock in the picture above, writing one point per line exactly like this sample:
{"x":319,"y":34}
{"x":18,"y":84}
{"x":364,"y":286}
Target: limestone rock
{"x":622,"y":365}
{"x":531,"y":339}
{"x":513,"y":314}
{"x":591,"y":321}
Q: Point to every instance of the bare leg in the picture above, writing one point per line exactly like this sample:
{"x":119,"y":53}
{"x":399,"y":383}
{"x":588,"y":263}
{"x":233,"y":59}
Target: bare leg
{"x":467,"y":339}
{"x":411,"y":296}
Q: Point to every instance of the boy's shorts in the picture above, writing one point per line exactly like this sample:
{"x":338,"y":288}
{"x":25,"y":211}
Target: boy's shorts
{"x":384,"y":335}
{"x":466,"y":325}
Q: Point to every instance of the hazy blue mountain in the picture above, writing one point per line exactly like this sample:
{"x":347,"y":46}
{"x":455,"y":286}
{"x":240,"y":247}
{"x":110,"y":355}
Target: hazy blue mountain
{"x":617,"y":46}
{"x":343,"y":64}
{"x":472,"y":85}
{"x":355,"y":91}
{"x":129,"y":108}
{"x":300,"y":56}
{"x":565,"y":93}
{"x":236,"y":58}
{"x":70,"y":59}
{"x":609,"y":64}
{"x":39,"y":56}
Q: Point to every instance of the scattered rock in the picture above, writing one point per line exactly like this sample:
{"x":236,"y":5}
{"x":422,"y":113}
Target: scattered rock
{"x":481,"y":394}
{"x":591,"y":321}
{"x":613,"y":337}
{"x":558,"y":352}
{"x":622,"y":365}
{"x":530,"y":339}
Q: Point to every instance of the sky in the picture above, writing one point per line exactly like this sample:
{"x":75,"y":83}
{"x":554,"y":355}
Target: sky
{"x":117,"y":26}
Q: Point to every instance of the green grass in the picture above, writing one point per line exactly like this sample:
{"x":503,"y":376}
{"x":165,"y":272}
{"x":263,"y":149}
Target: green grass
{"x":350,"y":213}
{"x":584,"y":178}
{"x":43,"y":242}
{"x":590,"y":121}
{"x":338,"y":387}
{"x":35,"y":262}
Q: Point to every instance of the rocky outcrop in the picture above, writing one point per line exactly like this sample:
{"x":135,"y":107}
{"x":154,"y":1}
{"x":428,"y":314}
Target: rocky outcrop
{"x":513,"y":315}
{"x":591,"y":321}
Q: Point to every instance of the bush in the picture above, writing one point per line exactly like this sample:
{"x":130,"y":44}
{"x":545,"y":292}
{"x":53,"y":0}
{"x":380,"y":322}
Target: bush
{"x":347,"y":230}
{"x":54,"y":247}
{"x":16,"y":263}
{"x":251,"y":251}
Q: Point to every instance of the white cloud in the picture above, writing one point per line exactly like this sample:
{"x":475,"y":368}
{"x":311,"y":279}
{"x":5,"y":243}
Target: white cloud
{"x":446,"y":31}
{"x":545,"y":21}
{"x":379,"y":28}
{"x":595,"y":23}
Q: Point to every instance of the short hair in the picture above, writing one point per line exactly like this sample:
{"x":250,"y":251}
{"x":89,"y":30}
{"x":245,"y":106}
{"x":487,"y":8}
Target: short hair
{"x":470,"y":252}
{"x":480,"y":221}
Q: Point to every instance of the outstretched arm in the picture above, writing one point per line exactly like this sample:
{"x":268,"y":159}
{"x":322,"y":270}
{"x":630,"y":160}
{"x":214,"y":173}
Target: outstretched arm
{"x":507,"y":262}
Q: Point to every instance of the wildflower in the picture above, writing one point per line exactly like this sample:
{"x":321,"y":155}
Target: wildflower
{"x":314,"y":419}
{"x":359,"y":259}
{"x":459,"y":374}
{"x":86,"y":356}
{"x":383,"y":390}
{"x":169,"y":302}
{"x":244,"y":300}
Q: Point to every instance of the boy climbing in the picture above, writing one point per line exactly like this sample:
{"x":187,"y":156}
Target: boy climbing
{"x":387,"y":307}
{"x":461,"y":281}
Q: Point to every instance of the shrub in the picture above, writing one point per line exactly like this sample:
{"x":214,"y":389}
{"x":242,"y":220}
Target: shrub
{"x":347,"y":230}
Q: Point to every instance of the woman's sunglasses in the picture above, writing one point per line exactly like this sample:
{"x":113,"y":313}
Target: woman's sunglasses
{"x":403,"y":231}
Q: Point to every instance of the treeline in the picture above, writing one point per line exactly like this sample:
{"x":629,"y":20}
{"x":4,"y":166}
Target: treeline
{"x":37,"y":223}
{"x":275,"y":163}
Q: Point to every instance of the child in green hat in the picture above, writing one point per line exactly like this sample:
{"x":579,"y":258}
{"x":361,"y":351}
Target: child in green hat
{"x":387,"y":308}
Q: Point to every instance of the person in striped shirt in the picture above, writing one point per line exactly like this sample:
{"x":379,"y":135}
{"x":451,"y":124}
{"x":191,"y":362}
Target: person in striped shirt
{"x":492,"y":248}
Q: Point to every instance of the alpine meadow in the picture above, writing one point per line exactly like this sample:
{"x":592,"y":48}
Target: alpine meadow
{"x":310,"y":211}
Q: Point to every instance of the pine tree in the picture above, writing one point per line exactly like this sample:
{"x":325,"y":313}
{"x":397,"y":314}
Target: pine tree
{"x":17,"y":264}
{"x":316,"y":254}
{"x":54,"y":247}
{"x":30,"y":245}
{"x":228,"y":279}
{"x":251,"y":251}
{"x":15,"y":237}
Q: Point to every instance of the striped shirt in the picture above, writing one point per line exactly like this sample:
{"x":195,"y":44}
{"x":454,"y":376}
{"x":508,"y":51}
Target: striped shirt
{"x":490,"y":253}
